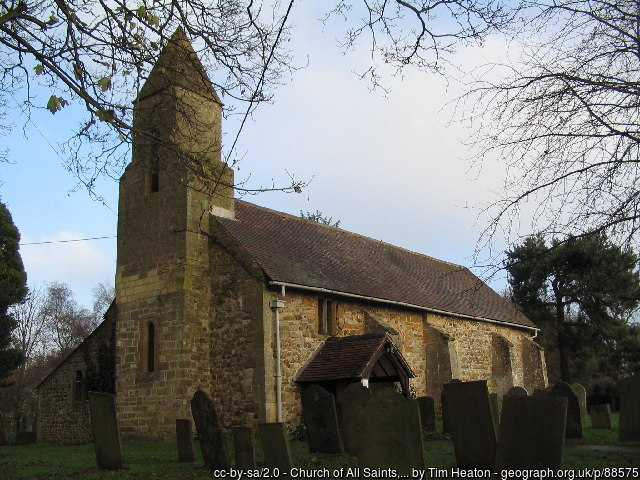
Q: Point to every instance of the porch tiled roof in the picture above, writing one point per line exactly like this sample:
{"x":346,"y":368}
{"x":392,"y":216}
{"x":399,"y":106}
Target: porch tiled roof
{"x":347,"y":358}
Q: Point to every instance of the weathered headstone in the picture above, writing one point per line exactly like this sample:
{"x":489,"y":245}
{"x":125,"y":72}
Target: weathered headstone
{"x":446,"y":418}
{"x":495,"y":409}
{"x":184,"y":437}
{"x":321,"y":420}
{"x":517,"y":391}
{"x":601,"y":416}
{"x":392,"y":434}
{"x":244,"y":448}
{"x":629,"y":427}
{"x":581,"y":393}
{"x":209,"y":431}
{"x":472,"y":428}
{"x":427,"y":413}
{"x":102,"y":409}
{"x":25,"y":438}
{"x":354,"y":398}
{"x":531,"y":434}
{"x":275,"y":446}
{"x":574,"y":419}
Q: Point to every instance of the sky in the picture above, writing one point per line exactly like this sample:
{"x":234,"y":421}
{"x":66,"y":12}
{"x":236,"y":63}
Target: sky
{"x":392,"y":167}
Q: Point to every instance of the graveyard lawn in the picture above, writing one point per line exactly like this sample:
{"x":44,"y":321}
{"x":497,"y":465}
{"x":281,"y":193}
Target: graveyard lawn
{"x":593,"y":436}
{"x":159,"y":461}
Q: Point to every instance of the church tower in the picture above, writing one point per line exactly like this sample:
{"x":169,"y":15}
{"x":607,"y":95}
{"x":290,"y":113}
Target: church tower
{"x":175,"y":180}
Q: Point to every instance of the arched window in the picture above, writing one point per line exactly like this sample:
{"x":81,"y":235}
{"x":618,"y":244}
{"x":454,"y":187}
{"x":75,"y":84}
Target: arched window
{"x":151,"y":346}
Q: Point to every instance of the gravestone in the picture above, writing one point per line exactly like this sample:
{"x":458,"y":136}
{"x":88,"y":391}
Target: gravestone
{"x":446,"y":421}
{"x":275,"y":446}
{"x":427,"y":413}
{"x":354,"y":398}
{"x":601,"y":416}
{"x":209,"y":431}
{"x":629,"y":427}
{"x":25,"y":438}
{"x":574,"y":419}
{"x":320,"y":420}
{"x":244,"y":448}
{"x":495,"y":409}
{"x":102,"y":410}
{"x":539,"y":392}
{"x":472,"y":428}
{"x":516,"y":391}
{"x":581,"y":393}
{"x":3,"y":438}
{"x":391,"y":433}
{"x":531,"y":434}
{"x":184,"y":437}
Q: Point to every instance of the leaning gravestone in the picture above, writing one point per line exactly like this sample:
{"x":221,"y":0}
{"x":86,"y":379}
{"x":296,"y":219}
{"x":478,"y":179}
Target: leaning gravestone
{"x":354,"y":398}
{"x":531,"y":434}
{"x":102,"y":409}
{"x":184,"y":437}
{"x":574,"y":419}
{"x":629,"y":428}
{"x":391,"y":433}
{"x":581,"y":393}
{"x":601,"y":416}
{"x":427,"y":413}
{"x":244,"y":448}
{"x":275,"y":447}
{"x":472,"y":428}
{"x":25,"y":438}
{"x":209,"y":431}
{"x":320,"y":420}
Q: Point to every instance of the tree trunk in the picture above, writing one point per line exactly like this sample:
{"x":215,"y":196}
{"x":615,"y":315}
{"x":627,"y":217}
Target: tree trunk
{"x":565,"y":373}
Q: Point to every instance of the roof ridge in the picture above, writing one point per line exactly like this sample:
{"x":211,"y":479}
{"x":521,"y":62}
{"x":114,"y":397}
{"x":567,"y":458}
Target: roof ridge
{"x":382,"y":242}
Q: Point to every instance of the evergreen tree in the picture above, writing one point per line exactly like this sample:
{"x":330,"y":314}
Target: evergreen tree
{"x":13,"y":289}
{"x":581,"y":293}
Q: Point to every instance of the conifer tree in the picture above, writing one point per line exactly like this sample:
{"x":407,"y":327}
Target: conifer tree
{"x":581,"y":293}
{"x":13,"y":289}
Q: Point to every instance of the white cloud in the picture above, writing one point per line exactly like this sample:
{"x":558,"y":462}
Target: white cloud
{"x":79,"y":264}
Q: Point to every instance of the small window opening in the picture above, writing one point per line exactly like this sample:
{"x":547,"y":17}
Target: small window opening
{"x":154,"y":162}
{"x":326,"y":316}
{"x":151,"y":347}
{"x":155,"y":170}
{"x":78,"y":386}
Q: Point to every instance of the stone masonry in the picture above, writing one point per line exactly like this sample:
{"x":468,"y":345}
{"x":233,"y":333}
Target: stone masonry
{"x":63,"y":409}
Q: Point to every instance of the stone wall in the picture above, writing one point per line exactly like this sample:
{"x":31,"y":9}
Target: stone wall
{"x":237,"y":333}
{"x":438,"y":348}
{"x":63,"y":409}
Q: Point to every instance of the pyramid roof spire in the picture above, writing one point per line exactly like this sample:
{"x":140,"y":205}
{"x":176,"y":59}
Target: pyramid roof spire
{"x":179,"y":65}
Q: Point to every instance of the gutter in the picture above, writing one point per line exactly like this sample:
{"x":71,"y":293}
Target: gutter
{"x":402,"y":304}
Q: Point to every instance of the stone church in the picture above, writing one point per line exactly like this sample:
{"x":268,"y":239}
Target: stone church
{"x":251,"y":305}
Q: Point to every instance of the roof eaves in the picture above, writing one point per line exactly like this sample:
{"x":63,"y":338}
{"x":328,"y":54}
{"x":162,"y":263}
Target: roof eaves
{"x":403,"y":304}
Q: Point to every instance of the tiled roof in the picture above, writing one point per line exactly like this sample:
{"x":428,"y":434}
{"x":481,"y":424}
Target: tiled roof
{"x":348,"y":358}
{"x":301,"y":252}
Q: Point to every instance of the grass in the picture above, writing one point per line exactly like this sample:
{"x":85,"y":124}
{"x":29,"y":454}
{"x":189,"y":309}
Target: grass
{"x":158,"y":461}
